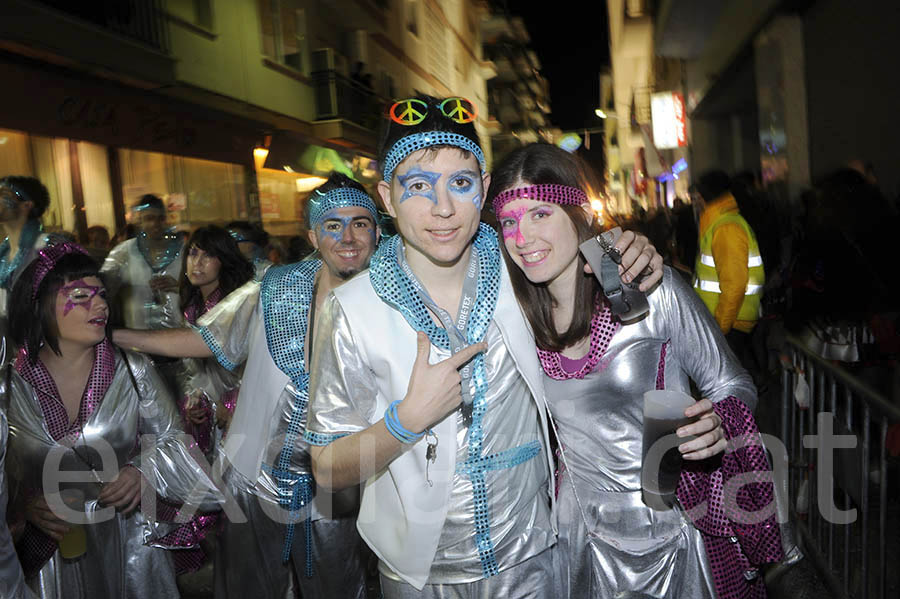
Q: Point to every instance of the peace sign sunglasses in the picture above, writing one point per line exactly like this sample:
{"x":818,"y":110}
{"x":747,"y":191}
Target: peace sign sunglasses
{"x":413,"y":111}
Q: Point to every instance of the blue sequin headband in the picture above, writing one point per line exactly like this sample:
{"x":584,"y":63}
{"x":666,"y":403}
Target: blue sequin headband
{"x":416,"y":141}
{"x":15,"y":191}
{"x":340,"y":197}
{"x":238,"y":237}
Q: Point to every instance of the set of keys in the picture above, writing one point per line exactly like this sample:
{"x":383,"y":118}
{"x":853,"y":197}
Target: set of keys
{"x":430,"y":454}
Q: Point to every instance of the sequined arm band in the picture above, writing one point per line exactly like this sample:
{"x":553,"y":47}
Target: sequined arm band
{"x":215,"y":348}
{"x":321,"y":439}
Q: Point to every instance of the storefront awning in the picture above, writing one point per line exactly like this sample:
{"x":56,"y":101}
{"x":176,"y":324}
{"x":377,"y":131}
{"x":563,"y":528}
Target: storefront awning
{"x":291,"y":152}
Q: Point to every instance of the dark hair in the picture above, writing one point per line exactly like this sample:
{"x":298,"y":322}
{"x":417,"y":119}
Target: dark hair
{"x":335,"y":180}
{"x":98,"y":231}
{"x":32,"y":322}
{"x":33,"y":190}
{"x":298,"y":248}
{"x":434,"y":120}
{"x":149,"y":201}
{"x":250,"y":232}
{"x":713,"y":183}
{"x":218,"y":243}
{"x":538,"y":164}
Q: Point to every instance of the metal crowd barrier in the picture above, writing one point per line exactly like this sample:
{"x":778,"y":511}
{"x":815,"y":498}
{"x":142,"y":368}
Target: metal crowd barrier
{"x":847,"y":555}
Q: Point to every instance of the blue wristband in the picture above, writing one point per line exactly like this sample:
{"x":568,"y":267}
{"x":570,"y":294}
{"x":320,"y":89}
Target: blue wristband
{"x":392,"y":422}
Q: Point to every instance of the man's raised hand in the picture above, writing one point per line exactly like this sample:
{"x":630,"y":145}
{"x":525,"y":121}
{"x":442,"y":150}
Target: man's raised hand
{"x":434,"y":389}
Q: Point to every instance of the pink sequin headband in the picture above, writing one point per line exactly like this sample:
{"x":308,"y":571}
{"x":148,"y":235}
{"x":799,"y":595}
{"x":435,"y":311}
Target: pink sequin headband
{"x":555,"y":194}
{"x":46,"y":260}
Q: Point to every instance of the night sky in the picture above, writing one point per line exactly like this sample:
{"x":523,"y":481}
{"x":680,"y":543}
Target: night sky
{"x":573,"y":47}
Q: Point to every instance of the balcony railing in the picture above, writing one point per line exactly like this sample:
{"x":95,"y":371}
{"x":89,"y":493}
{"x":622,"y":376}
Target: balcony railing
{"x":339,"y":97}
{"x":139,"y":20}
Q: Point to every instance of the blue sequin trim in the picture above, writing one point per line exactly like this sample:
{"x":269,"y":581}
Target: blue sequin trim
{"x":392,"y":286}
{"x":27,"y":239}
{"x":340,"y":197}
{"x":508,"y":458}
{"x":286,"y":295}
{"x":321,"y":439}
{"x":301,"y":491}
{"x":215,"y":348}
{"x":426,"y":139}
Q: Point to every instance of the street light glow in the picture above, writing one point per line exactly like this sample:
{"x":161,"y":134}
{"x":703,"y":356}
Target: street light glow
{"x":600,"y":113}
{"x":259,"y":156}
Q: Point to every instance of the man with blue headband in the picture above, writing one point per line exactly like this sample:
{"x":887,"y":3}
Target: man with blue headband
{"x":22,"y":202}
{"x":142,"y":273}
{"x":426,"y":384}
{"x":252,"y":240}
{"x":292,"y":530}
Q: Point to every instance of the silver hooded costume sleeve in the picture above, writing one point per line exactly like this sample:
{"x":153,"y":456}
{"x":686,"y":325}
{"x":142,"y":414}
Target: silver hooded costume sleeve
{"x":702,"y":348}
{"x":342,"y":386}
{"x":226,"y":327}
{"x":12,"y":581}
{"x":165,"y":460}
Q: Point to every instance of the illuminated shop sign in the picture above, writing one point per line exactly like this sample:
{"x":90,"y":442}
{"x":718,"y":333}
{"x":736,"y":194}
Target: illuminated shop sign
{"x":669,"y":125}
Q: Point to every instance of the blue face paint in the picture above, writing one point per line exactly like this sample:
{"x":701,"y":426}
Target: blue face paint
{"x":333,"y":225}
{"x":416,"y":182}
{"x":463,"y":186}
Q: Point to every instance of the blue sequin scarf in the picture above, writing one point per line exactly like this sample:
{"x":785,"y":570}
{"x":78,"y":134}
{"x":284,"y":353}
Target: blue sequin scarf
{"x":395,"y":289}
{"x":8,"y":263}
{"x":286,"y":296}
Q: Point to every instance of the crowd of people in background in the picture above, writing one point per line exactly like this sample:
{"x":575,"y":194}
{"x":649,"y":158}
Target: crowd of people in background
{"x":202,"y":303}
{"x":828,"y":274}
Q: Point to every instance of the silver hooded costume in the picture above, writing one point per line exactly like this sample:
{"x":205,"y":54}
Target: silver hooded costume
{"x":135,"y":423}
{"x":634,"y":550}
{"x":12,"y":581}
{"x":127,"y":274}
{"x":265,"y":460}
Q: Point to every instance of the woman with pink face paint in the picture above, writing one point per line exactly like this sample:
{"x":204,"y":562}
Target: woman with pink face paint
{"x":596,"y":370}
{"x":90,"y":427}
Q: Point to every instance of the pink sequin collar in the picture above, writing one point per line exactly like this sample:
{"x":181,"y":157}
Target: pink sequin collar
{"x":603,"y":328}
{"x":191,"y":313}
{"x":48,"y":396}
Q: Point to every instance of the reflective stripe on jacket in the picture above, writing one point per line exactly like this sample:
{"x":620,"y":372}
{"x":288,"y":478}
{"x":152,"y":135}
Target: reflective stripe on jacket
{"x":728,"y":260}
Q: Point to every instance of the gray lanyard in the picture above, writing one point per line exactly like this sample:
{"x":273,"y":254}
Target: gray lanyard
{"x":456,"y":333}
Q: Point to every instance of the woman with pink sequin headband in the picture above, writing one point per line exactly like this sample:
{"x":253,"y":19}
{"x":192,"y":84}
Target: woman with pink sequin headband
{"x":74,"y":403}
{"x":597,"y":370}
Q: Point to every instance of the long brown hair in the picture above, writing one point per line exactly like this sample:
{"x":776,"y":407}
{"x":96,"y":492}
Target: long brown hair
{"x":538,"y":164}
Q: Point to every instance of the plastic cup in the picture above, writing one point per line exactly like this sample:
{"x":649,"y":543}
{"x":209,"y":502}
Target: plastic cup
{"x":660,"y":459}
{"x":74,"y":543}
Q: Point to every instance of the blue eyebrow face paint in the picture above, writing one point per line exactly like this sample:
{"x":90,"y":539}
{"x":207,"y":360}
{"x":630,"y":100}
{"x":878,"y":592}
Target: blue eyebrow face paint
{"x":416,"y":182}
{"x":463,"y":186}
{"x":333,"y":225}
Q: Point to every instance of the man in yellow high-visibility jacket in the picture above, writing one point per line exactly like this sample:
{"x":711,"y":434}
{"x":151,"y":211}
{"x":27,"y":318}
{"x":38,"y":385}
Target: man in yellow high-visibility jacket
{"x":729,"y":274}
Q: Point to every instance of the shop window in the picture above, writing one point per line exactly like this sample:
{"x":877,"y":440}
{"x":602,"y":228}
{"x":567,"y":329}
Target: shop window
{"x":284,"y":38}
{"x":195,"y":12}
{"x":50,"y":160}
{"x":197,"y":192}
{"x":281,"y":201}
{"x":93,"y":162}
